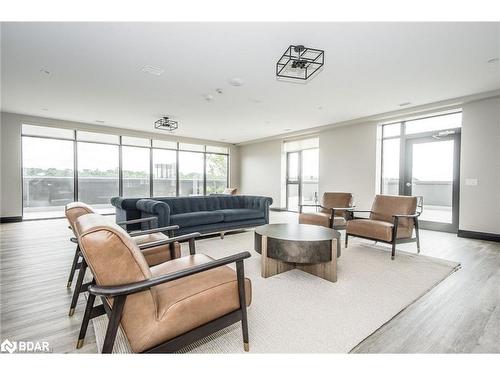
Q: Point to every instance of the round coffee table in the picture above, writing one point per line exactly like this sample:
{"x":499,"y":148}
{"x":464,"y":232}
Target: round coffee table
{"x":310,"y":248}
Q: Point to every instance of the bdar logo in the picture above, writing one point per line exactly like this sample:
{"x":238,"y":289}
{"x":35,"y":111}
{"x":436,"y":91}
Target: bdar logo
{"x":8,"y":346}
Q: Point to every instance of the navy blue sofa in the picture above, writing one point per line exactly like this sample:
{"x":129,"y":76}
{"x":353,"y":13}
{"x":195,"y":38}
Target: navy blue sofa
{"x":204,"y":214}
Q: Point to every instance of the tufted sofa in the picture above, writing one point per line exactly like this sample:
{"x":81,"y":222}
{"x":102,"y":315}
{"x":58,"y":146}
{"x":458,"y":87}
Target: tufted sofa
{"x":204,"y":214}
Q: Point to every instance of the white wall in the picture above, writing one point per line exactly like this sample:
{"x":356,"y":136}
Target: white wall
{"x":10,"y":156}
{"x":348,"y":162}
{"x":480,"y":159}
{"x":260,"y":169}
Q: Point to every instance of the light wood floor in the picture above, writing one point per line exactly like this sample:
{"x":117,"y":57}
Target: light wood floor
{"x":462,"y":314}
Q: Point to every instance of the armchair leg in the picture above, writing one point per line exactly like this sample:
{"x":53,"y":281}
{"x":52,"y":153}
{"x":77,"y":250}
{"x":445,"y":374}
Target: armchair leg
{"x":73,"y":266}
{"x":346,"y":239}
{"x":85,"y":321}
{"x":393,"y":252}
{"x":243,"y":304}
{"x":114,"y":322}
{"x":78,"y":287}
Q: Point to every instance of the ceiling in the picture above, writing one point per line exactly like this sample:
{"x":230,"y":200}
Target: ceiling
{"x":95,"y":72}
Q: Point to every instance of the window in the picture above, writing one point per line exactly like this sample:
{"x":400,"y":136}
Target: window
{"x":46,"y":131}
{"x":48,"y":177}
{"x":133,"y":141}
{"x":135,"y":171}
{"x":302,"y":177}
{"x":98,"y":175}
{"x":435,"y":123}
{"x":164,"y":173}
{"x":97,"y":137}
{"x":191,"y":147}
{"x":109,"y":165}
{"x":216,"y":173}
{"x":217,"y":149}
{"x":390,"y":166}
{"x":190,"y":173}
{"x":157,"y":143}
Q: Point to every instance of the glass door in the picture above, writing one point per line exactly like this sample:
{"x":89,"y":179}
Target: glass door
{"x":302,"y":179}
{"x":432,"y":171}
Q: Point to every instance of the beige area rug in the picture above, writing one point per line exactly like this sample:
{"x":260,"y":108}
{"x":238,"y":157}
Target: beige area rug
{"x":295,"y":312}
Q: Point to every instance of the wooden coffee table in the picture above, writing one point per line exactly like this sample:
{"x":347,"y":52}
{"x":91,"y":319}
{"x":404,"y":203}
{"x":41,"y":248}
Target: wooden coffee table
{"x":310,"y":248}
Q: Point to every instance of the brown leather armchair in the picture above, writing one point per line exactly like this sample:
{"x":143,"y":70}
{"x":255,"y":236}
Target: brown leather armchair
{"x":332,"y":211}
{"x":154,"y":255}
{"x":391,"y":220}
{"x":161,"y":308}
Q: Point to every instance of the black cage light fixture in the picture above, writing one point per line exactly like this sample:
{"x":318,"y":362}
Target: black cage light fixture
{"x":166,"y":124}
{"x":299,"y":62}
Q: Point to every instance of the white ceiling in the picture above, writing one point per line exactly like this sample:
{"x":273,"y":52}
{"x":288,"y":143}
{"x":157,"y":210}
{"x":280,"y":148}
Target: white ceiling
{"x":370,"y":68}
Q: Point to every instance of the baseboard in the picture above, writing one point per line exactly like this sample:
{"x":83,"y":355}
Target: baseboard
{"x":277,"y":209}
{"x":479,"y":235}
{"x":11,"y":219}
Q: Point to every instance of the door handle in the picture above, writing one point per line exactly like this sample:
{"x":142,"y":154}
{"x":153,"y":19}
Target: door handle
{"x":408,"y":184}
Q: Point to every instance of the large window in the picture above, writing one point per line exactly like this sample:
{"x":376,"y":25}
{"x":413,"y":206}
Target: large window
{"x":135,"y":171}
{"x":216,"y":172}
{"x":190,"y":173}
{"x":48,"y":177}
{"x":164,"y":173}
{"x":109,"y":165}
{"x":98,"y":176}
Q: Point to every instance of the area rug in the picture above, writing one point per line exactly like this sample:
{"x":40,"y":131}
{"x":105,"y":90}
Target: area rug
{"x":295,"y":312}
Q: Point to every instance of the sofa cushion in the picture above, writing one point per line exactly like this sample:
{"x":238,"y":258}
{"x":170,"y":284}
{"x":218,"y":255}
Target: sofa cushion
{"x":237,"y":214}
{"x":191,"y":219}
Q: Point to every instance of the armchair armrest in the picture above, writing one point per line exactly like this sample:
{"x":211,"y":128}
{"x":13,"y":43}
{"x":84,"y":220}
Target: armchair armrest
{"x":170,"y":240}
{"x":126,"y":289}
{"x":350,"y":212}
{"x":417,"y":214}
{"x":137,"y":221}
{"x":155,"y":230}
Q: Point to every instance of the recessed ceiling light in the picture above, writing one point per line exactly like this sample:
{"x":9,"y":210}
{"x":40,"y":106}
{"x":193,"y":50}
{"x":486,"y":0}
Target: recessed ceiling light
{"x":154,"y":70}
{"x":320,"y":108}
{"x":218,"y":91}
{"x":235,"y":81}
{"x":44,"y":71}
{"x":493,"y":60}
{"x":100,"y":121}
{"x":404,"y":104}
{"x":208,"y":97}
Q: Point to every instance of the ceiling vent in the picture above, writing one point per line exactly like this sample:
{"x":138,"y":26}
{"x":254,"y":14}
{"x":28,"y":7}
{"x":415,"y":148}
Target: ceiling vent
{"x":299,"y":62}
{"x":154,"y":70}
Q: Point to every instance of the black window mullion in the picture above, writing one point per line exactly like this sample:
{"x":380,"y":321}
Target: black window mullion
{"x":120,"y":168}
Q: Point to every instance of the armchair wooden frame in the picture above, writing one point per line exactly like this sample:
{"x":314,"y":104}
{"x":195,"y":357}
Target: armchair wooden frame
{"x":394,"y":240}
{"x":119,"y":295}
{"x":332,"y":213}
{"x":79,"y":264}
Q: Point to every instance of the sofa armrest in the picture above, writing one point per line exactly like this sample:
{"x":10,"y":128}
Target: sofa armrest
{"x":151,"y":207}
